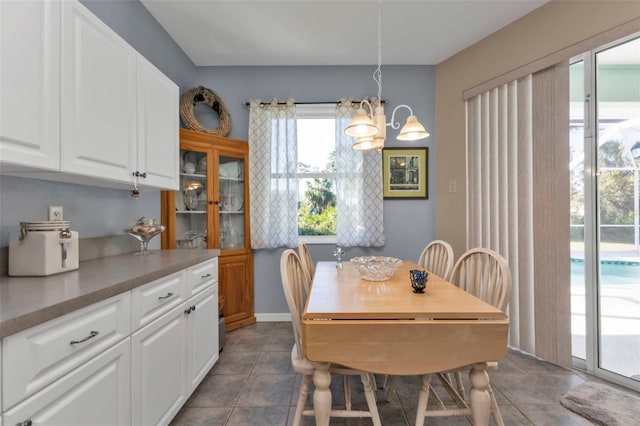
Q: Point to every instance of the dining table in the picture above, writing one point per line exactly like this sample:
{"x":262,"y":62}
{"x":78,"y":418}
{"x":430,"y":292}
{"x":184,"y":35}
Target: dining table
{"x":384,"y":327}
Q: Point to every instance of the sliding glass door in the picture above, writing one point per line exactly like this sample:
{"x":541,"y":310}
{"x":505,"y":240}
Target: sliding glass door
{"x":605,"y":211}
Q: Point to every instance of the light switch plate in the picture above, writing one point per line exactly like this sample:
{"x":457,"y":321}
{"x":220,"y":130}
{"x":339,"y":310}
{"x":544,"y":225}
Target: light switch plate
{"x":452,"y":187}
{"x":55,"y":213}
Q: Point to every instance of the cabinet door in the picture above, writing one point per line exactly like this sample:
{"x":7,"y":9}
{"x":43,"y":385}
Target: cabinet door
{"x":98,"y":98}
{"x":158,"y":141}
{"x":232,"y":199}
{"x":158,"y":369}
{"x":30,"y":84}
{"x":96,"y":393}
{"x":236,"y":284}
{"x":202,"y":335}
{"x":190,"y":212}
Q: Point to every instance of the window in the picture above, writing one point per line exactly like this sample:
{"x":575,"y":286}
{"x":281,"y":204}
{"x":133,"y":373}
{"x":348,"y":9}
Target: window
{"x":355,"y":185}
{"x":316,"y":173}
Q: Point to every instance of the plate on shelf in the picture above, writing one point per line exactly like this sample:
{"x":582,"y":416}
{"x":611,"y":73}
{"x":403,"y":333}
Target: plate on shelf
{"x":202,"y":165}
{"x":189,"y":162}
{"x":180,"y":201}
{"x":230,"y":170}
{"x":232,"y":202}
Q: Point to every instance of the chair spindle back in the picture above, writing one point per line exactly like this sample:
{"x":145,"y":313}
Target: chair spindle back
{"x":437,"y":258}
{"x":485,"y":274}
{"x":295,"y":286}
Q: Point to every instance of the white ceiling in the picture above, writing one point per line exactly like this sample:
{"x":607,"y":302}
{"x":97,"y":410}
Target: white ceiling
{"x":330,"y":32}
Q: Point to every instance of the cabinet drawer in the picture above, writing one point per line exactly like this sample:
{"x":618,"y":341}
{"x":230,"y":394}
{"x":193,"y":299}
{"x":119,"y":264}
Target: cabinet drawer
{"x":202,"y":276}
{"x":97,"y":393}
{"x":152,"y":300}
{"x":35,"y":357}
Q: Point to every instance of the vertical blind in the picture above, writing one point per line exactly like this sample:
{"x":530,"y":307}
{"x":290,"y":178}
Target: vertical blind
{"x":518,"y":202}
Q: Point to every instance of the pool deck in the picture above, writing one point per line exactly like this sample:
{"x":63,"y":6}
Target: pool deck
{"x":620,"y":315}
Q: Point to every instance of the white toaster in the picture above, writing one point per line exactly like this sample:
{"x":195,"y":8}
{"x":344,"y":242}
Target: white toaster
{"x":43,"y":248}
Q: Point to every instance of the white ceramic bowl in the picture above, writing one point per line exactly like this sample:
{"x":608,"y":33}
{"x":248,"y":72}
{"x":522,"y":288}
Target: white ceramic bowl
{"x":376,"y":268}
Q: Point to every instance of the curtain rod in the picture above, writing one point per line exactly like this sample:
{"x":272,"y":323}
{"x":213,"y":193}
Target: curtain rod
{"x":355,"y":101}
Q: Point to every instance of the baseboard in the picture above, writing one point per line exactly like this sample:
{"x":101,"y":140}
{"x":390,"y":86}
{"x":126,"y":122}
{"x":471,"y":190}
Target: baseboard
{"x":286,"y":317}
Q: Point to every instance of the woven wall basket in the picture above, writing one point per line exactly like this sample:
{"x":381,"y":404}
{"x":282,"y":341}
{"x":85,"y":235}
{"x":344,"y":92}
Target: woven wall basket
{"x":202,"y":95}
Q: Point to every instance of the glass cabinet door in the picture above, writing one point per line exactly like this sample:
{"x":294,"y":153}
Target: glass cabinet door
{"x":191,"y":201}
{"x":231,"y":202}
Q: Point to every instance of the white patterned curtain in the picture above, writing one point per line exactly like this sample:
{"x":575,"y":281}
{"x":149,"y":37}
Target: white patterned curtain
{"x":273,"y":184}
{"x":518,"y":202}
{"x":359,"y":202}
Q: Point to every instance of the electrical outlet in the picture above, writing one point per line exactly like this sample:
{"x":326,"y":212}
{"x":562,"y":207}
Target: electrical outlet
{"x":55,"y":213}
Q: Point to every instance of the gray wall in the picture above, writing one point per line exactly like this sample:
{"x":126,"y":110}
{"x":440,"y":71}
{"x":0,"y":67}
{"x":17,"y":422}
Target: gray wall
{"x":409,"y":224}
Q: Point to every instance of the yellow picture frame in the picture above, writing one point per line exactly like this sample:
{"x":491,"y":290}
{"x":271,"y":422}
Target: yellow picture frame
{"x":404,"y":173}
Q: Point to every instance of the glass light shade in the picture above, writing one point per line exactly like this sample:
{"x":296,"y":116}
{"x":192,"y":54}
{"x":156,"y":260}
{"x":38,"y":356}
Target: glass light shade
{"x":364,"y":143}
{"x":361,"y":125}
{"x":412,"y":130}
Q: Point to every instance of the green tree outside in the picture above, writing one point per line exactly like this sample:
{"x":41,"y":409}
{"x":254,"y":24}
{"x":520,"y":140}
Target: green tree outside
{"x":317,"y":211}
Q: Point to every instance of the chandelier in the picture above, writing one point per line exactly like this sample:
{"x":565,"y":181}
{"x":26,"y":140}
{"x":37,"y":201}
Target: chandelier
{"x":370,"y":129}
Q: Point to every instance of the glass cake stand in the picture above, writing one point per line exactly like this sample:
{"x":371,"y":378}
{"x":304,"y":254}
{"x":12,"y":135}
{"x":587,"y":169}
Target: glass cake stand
{"x":144,"y":230}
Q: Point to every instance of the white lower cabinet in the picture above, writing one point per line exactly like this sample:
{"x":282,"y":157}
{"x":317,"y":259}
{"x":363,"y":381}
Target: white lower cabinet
{"x":202,"y":336}
{"x":96,"y":393}
{"x":159,"y":381}
{"x":171,"y":356}
{"x":94,"y":367}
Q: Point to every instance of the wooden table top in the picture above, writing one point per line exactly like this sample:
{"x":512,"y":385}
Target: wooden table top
{"x":342,"y":294}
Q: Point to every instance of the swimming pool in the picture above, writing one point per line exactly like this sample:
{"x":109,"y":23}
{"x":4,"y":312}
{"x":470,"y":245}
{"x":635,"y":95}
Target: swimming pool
{"x":612,"y":273}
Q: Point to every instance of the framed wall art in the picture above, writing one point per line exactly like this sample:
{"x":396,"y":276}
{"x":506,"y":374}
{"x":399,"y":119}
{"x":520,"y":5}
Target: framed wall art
{"x":404,"y":173}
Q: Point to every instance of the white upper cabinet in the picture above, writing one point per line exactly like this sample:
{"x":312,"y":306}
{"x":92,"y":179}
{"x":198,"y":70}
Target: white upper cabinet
{"x":30,"y":85}
{"x":98,"y":98}
{"x":78,"y":99}
{"x":158,"y":127}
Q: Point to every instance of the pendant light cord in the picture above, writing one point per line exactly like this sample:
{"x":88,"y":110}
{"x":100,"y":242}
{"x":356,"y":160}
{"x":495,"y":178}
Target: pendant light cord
{"x":377,"y":74}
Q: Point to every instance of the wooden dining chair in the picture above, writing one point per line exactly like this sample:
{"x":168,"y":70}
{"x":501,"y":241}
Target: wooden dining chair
{"x":437,"y":258}
{"x":485,"y":274}
{"x":294,"y":277}
{"x":307,"y":261}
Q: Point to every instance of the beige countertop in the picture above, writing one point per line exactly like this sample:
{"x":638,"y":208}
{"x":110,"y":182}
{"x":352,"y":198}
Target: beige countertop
{"x":28,"y":301}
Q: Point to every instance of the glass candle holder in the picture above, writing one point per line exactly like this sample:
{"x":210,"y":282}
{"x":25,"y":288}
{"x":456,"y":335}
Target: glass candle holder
{"x":338,"y":253}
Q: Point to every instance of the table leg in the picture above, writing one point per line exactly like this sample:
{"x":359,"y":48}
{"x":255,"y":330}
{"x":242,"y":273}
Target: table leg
{"x":322,"y":393}
{"x":479,"y":394}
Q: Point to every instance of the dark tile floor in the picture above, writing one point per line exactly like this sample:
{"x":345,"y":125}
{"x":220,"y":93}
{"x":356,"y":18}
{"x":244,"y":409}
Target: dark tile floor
{"x":253,"y":384}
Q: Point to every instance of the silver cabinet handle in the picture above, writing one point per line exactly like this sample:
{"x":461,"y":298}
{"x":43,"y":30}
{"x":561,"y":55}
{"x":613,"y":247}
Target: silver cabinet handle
{"x":165,"y":297}
{"x":90,"y":336}
{"x":190,"y":309}
{"x":204,"y":277}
